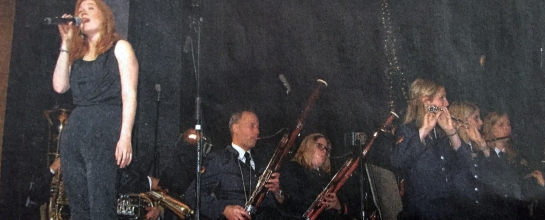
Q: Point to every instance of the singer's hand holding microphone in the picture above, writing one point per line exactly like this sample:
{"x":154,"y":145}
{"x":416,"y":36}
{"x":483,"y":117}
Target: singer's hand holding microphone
{"x":65,"y":19}
{"x":67,"y":24}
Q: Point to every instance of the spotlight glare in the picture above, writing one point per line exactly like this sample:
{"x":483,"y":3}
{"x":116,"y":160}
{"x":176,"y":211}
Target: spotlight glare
{"x":192,"y":136}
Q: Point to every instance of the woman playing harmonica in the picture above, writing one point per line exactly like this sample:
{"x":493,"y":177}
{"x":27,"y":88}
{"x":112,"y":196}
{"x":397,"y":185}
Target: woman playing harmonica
{"x":428,"y":153}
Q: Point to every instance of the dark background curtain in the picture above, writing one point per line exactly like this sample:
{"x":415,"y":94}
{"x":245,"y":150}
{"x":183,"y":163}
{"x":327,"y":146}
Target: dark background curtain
{"x":368,"y":51}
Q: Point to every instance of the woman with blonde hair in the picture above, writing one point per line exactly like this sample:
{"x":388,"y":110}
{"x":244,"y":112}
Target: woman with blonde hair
{"x":303,"y":178}
{"x":469,"y":125}
{"x":497,"y":130}
{"x":510,"y":182}
{"x":305,"y":155}
{"x":102,"y":71}
{"x":471,"y":198}
{"x":427,"y":153}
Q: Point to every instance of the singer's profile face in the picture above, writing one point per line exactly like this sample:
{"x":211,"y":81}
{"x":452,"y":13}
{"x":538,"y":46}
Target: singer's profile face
{"x":91,"y":17}
{"x":246,"y":131}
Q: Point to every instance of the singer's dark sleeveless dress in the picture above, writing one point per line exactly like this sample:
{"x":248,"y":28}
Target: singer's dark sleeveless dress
{"x":89,"y":139}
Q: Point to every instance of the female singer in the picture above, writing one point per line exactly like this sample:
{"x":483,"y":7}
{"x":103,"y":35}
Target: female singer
{"x":102,"y":71}
{"x":303,"y":178}
{"x":427,"y":153}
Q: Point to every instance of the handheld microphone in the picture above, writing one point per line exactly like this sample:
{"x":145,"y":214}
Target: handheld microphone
{"x":285,"y":83}
{"x":57,"y":20}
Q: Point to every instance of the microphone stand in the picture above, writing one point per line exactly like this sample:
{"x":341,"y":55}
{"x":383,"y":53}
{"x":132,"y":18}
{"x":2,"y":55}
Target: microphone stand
{"x":155,"y":145}
{"x":196,"y":26}
{"x":359,"y":145}
{"x":363,"y":193}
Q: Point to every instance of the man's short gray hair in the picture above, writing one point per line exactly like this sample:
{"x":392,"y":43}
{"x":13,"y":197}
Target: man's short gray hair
{"x":235,"y":118}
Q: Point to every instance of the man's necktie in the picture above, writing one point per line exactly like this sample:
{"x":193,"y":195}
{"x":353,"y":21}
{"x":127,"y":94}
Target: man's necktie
{"x":248,"y":160}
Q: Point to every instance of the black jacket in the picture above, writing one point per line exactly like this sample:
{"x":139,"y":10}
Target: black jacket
{"x":226,"y":181}
{"x":301,"y":186}
{"x":428,"y":170}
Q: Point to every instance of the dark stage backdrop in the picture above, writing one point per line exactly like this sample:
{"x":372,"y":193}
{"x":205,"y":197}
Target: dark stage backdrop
{"x":368,"y":51}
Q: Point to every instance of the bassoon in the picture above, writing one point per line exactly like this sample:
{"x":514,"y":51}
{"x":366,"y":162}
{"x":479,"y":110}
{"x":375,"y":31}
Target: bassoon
{"x":342,"y":175}
{"x":284,"y":146}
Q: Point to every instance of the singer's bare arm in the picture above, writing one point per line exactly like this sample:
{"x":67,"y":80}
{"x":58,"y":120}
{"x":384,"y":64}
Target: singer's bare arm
{"x":128,"y":71}
{"x":61,"y":75}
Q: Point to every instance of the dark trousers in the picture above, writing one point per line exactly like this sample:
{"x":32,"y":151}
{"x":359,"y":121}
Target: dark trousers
{"x":88,"y":162}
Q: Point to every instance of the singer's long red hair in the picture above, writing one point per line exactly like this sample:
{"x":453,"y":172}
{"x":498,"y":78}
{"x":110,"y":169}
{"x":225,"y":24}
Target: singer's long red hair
{"x":108,"y":33}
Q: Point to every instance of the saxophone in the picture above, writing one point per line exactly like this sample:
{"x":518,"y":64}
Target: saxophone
{"x":58,"y":202}
{"x":57,"y":209}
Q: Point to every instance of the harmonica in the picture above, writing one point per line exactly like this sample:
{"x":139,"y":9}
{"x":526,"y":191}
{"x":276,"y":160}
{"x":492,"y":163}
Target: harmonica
{"x":433,"y":108}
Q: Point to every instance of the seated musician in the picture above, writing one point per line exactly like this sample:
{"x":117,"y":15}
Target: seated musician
{"x":305,"y":176}
{"x":230,"y":176}
{"x":38,"y":193}
{"x":129,"y":181}
{"x":510,"y":182}
{"x":468,"y":184}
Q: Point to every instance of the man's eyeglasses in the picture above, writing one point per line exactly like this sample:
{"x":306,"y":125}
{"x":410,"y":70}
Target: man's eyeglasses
{"x":323,"y":147}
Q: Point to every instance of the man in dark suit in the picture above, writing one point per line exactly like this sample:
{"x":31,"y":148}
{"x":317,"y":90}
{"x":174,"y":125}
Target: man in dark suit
{"x":230,"y":175}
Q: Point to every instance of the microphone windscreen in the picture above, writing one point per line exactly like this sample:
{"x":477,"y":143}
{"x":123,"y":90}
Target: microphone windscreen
{"x":282,"y":78}
{"x":77,"y":21}
{"x":187,"y":44}
{"x":285,"y":83}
